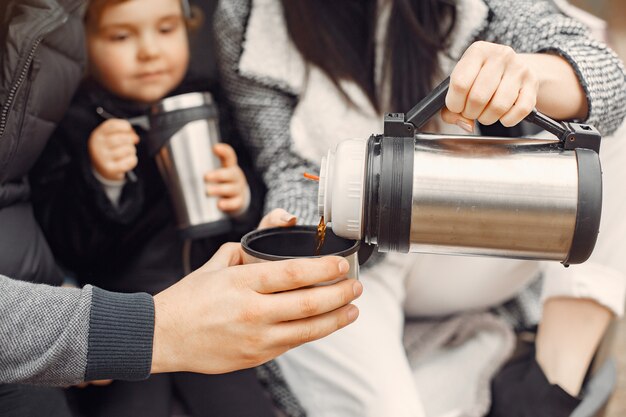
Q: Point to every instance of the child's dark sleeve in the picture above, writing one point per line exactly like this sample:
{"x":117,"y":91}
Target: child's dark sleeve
{"x":79,"y":221}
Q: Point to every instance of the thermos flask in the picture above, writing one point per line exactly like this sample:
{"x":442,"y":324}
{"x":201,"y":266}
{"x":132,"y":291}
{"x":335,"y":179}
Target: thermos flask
{"x":406,"y":191}
{"x":182,"y":132}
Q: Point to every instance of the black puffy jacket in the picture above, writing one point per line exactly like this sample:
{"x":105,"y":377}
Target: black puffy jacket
{"x":34,"y":34}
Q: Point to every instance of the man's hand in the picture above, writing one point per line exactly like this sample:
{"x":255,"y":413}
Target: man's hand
{"x":226,"y":316}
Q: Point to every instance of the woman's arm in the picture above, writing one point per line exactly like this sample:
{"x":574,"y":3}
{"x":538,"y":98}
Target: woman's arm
{"x":263,"y":115}
{"x":560,"y":94}
{"x":553,"y":39}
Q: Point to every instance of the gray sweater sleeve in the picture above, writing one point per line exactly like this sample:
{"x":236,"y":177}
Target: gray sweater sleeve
{"x":538,"y":26}
{"x":62,"y":336}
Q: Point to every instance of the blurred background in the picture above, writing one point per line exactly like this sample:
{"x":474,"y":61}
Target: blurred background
{"x":614,"y":13}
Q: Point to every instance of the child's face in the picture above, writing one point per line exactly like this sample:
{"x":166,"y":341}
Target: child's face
{"x":138,"y":49}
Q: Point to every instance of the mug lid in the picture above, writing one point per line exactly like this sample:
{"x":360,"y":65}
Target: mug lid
{"x":182,"y":101}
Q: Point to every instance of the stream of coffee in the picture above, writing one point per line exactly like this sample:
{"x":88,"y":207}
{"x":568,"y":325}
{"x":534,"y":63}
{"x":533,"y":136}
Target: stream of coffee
{"x":321,"y":235}
{"x":321,"y":227}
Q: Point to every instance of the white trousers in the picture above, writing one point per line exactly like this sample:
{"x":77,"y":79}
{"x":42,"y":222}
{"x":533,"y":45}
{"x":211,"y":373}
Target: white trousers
{"x":362,"y":370}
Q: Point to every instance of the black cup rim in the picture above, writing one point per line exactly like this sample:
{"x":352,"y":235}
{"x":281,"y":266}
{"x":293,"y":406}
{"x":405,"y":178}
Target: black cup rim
{"x":256,"y":234}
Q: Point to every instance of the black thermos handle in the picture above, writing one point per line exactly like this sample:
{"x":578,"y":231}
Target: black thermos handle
{"x":436,"y":100}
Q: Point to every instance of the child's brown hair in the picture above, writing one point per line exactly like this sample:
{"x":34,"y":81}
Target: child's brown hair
{"x":193,"y":14}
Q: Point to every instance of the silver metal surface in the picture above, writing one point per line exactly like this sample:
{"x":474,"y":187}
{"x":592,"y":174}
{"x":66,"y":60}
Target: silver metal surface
{"x":182,"y":101}
{"x":493,"y":197}
{"x":353,"y":261}
{"x":186,"y":158}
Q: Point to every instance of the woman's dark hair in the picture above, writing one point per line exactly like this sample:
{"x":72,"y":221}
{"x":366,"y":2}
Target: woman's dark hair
{"x":338,"y":36}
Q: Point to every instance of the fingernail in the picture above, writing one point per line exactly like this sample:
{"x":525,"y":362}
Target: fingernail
{"x":465,"y":126}
{"x":353,"y":313}
{"x":357,"y":287}
{"x":286,"y":218}
{"x":344,"y":266}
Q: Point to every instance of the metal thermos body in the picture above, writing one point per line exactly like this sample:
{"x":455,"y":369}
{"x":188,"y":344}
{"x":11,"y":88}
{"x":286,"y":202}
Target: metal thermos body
{"x":467,"y":195}
{"x":515,"y":198}
{"x":184,"y":129}
{"x":501,"y":198}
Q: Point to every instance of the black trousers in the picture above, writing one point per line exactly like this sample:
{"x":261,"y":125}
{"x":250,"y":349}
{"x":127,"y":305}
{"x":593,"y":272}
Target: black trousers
{"x":521,"y":389}
{"x":31,"y":401}
{"x":236,"y":394}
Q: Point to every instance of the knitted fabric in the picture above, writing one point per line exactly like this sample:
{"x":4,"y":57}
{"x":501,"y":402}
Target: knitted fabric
{"x":264,"y":108}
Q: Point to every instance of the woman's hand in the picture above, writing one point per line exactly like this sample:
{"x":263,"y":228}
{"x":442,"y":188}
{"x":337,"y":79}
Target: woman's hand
{"x":277,"y":218}
{"x":229,"y":182}
{"x":112,"y":149}
{"x":492,"y":82}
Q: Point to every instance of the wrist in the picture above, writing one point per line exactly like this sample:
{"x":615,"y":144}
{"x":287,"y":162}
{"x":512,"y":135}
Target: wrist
{"x":164,"y":356}
{"x":560,"y":94}
{"x":110,"y":182}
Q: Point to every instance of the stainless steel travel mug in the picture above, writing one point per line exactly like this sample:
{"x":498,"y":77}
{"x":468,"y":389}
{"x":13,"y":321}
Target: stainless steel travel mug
{"x":183,"y":131}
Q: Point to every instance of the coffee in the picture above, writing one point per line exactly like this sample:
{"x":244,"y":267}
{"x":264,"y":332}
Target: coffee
{"x":282,"y":243}
{"x":320,"y":237}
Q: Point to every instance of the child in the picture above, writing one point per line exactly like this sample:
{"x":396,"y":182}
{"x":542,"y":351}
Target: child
{"x":120,"y":234}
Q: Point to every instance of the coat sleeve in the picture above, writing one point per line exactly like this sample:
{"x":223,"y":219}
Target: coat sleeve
{"x":263,"y":116}
{"x":531,"y":26}
{"x":75,"y":214}
{"x":62,"y":336}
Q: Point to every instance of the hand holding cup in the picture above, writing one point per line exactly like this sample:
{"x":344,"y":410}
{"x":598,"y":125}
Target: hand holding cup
{"x":227,"y":316}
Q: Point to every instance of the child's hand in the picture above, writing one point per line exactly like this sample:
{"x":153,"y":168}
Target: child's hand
{"x":112,"y":149}
{"x":97,"y":383}
{"x":229,"y":182}
{"x":491,"y":82}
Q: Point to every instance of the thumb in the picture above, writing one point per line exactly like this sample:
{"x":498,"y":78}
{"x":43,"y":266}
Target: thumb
{"x":229,"y":254}
{"x":226,"y":154}
{"x":457,"y":119}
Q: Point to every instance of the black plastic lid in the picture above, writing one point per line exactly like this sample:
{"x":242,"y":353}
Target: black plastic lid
{"x":395,"y":194}
{"x":589,"y":207}
{"x":164,"y":125}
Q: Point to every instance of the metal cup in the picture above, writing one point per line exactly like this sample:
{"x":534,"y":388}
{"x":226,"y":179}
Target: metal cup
{"x":280,"y":243}
{"x":183,"y":131}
